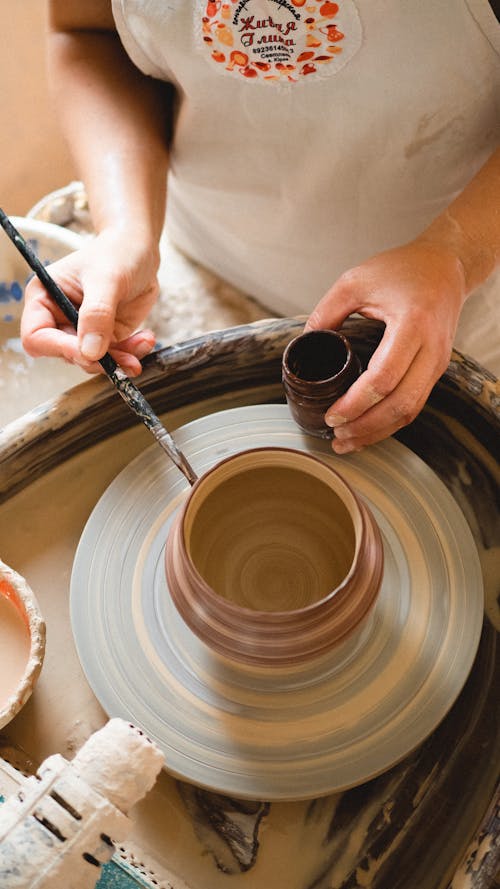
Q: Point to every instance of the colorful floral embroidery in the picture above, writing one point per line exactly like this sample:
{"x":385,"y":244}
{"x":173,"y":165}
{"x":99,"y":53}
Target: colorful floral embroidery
{"x":276,"y":40}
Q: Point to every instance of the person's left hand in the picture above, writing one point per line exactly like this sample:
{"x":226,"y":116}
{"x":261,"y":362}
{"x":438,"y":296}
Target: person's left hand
{"x":418,"y":291}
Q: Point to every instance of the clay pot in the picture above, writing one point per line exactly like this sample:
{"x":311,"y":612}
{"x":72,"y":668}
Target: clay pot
{"x":22,"y":664}
{"x":317,"y":368}
{"x":273,"y":559}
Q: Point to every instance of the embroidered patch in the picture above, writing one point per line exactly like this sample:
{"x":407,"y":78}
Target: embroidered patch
{"x":279,"y":40}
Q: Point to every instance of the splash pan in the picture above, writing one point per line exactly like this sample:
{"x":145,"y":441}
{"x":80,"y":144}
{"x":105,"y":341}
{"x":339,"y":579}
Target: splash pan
{"x":303,"y":730}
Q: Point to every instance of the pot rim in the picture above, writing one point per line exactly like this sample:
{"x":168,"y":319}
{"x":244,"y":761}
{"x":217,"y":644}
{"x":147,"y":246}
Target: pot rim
{"x":295,"y":380}
{"x":314,"y":611}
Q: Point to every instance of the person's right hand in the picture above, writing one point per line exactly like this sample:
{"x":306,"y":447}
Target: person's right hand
{"x":112,"y":281}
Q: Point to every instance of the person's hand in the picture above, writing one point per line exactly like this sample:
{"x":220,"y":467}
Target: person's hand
{"x":112,"y":280}
{"x":418,"y":291}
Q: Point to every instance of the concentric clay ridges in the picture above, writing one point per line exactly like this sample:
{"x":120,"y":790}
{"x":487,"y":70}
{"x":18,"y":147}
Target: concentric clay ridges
{"x":275,"y":515}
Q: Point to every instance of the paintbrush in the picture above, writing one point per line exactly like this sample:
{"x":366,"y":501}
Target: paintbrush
{"x":127,"y":389}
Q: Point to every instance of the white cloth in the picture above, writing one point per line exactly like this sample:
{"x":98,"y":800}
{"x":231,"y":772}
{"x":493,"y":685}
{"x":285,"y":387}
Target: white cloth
{"x":311,"y":135}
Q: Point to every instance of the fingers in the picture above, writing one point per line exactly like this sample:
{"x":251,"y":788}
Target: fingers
{"x":42,"y":337}
{"x":44,"y":328}
{"x":418,"y":294}
{"x":128,"y":353}
{"x":120,"y":286}
{"x":114,"y":285}
{"x":336,"y":305}
{"x":103,"y":291}
{"x":386,"y":369}
{"x":389,"y":410}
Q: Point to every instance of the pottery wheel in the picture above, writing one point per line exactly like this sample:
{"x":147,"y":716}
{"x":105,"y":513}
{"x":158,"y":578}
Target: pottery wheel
{"x":296,"y":732}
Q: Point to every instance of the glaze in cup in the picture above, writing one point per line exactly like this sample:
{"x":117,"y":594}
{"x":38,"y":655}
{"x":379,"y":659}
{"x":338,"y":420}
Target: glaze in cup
{"x":273,"y":559}
{"x":25,"y":642}
{"x":317,"y":368}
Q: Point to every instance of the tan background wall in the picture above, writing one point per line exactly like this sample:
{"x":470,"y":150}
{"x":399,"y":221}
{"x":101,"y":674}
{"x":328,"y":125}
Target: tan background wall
{"x":33,"y":156}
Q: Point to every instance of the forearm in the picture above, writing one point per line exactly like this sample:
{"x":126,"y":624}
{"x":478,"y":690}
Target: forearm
{"x":469,"y":228}
{"x":116,"y":123}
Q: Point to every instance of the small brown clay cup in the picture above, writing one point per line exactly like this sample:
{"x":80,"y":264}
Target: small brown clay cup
{"x":273,"y":559}
{"x":317,"y":368}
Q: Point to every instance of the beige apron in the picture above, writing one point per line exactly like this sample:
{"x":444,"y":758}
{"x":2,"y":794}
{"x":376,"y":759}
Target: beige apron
{"x":311,"y":135}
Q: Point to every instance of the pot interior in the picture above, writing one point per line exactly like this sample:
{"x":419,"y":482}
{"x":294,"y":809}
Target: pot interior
{"x":316,"y":356}
{"x":272,"y":534}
